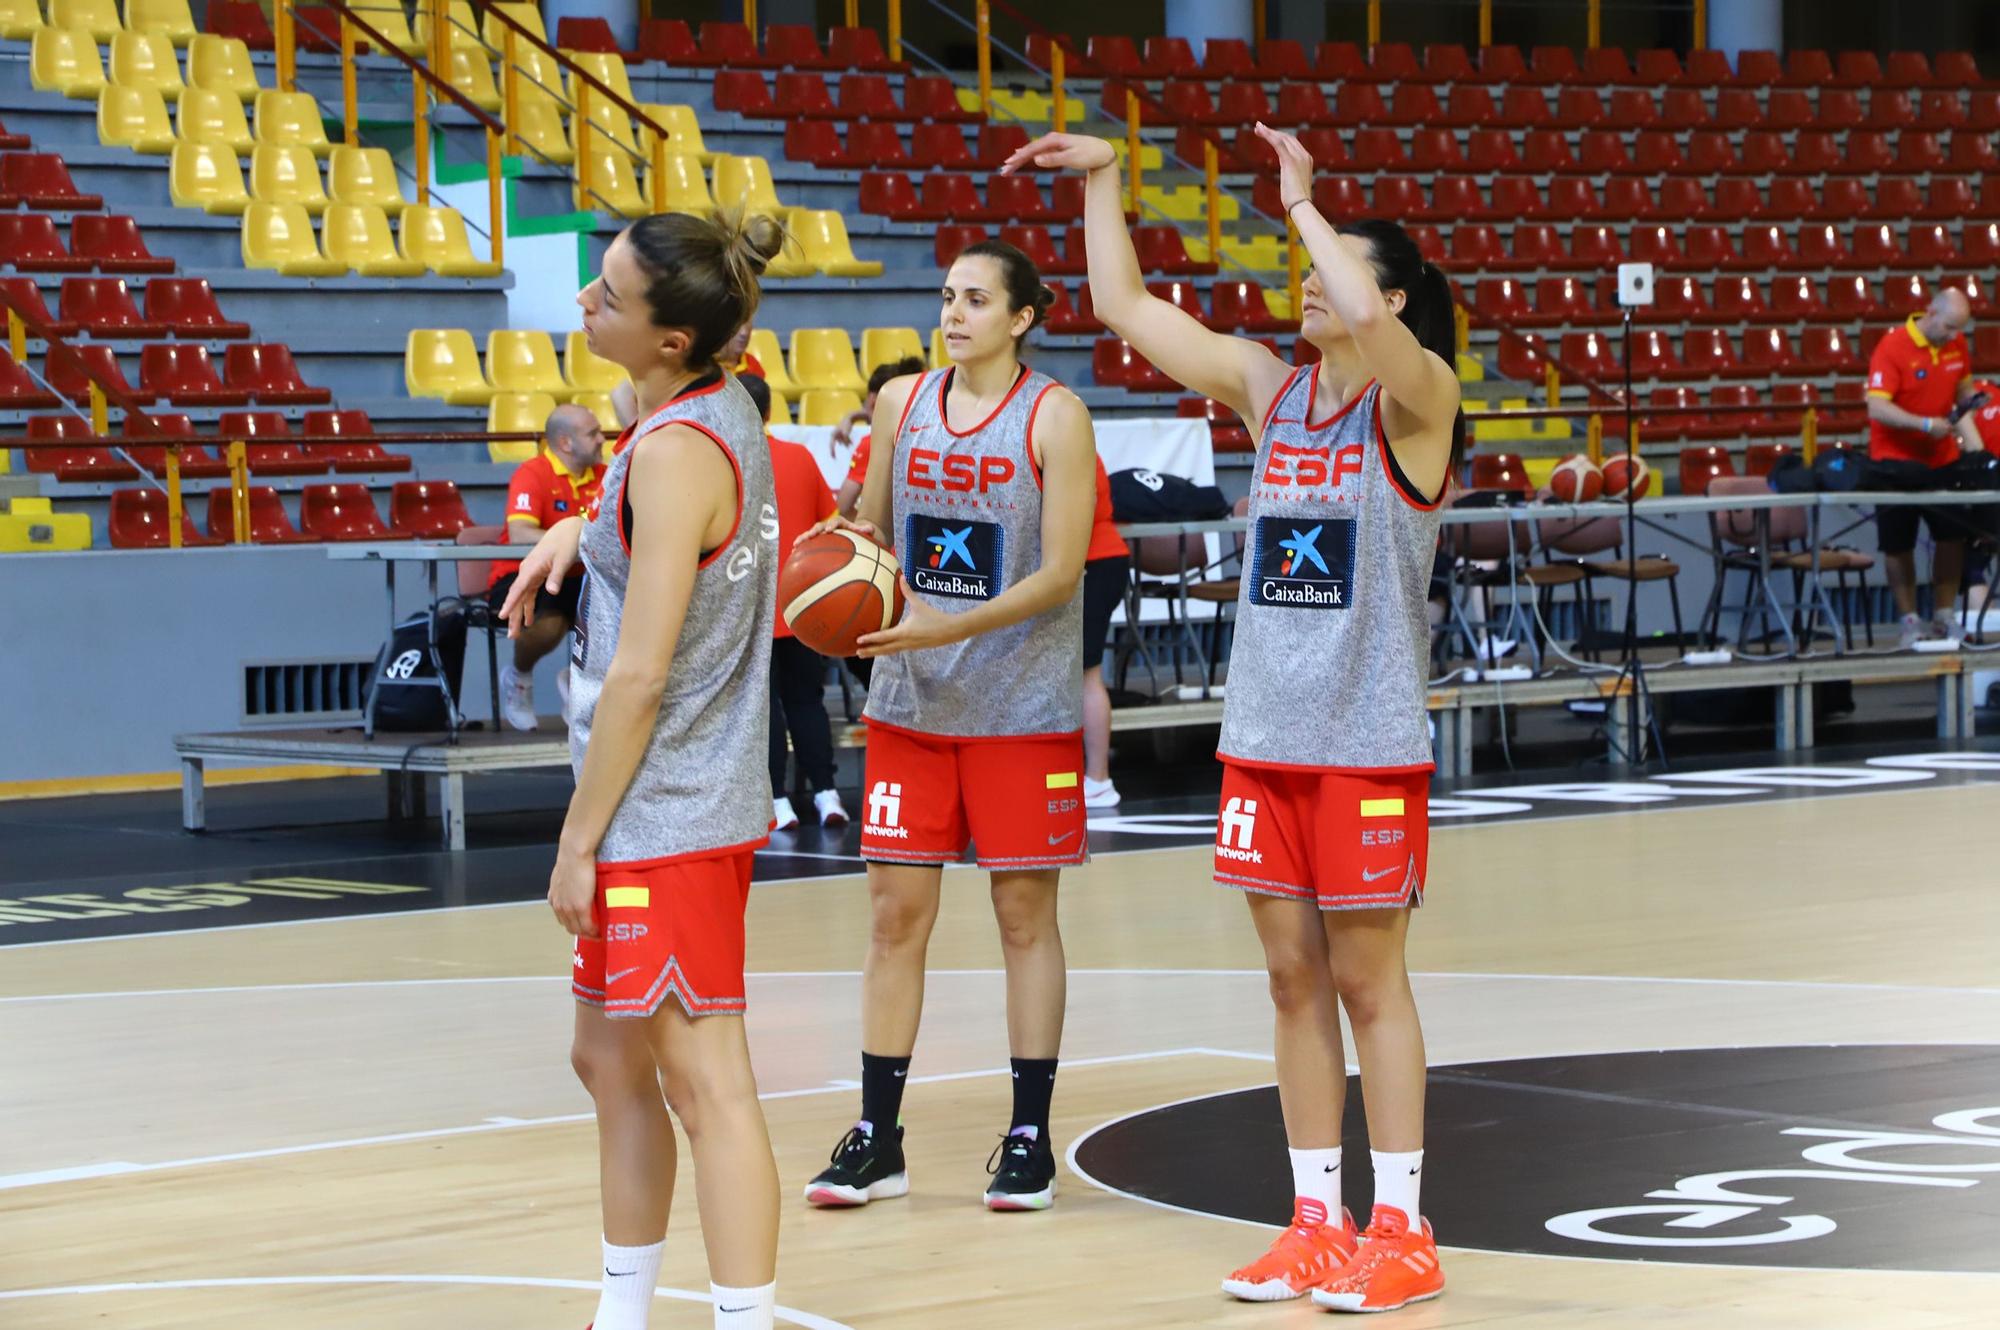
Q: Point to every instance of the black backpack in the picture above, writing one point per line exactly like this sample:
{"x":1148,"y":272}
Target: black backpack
{"x":1142,"y":495}
{"x":407,"y":698}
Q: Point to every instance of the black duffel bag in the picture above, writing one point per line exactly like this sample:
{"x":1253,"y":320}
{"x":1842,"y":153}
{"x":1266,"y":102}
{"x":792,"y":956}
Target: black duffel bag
{"x":407,"y":698}
{"x":1139,"y":494}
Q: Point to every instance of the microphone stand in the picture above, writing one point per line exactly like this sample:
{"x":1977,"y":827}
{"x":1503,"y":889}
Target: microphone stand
{"x":1639,"y":714}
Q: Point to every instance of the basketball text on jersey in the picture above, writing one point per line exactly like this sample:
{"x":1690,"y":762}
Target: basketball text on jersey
{"x":955,"y":556}
{"x":1300,"y":563}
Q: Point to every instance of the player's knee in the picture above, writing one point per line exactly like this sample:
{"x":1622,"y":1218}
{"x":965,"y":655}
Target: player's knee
{"x":1025,"y":920}
{"x":698,"y":1094}
{"x":606,"y":1068}
{"x":1367,"y":996}
{"x":1299,"y":980}
{"x":898,"y":921}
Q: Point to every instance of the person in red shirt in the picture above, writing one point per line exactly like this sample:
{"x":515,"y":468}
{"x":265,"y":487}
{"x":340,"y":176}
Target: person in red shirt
{"x":1918,"y":374}
{"x":560,"y":481}
{"x":1107,"y":565}
{"x":798,"y":673}
{"x":850,"y":489}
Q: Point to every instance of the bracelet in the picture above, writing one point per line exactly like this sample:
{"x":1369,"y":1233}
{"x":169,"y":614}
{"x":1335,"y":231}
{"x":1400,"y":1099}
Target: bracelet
{"x":1296,"y":203}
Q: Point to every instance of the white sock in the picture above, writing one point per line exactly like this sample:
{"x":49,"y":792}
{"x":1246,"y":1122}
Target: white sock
{"x":1397,"y":1177}
{"x":630,"y":1275}
{"x":1316,"y":1183}
{"x":744,"y":1308}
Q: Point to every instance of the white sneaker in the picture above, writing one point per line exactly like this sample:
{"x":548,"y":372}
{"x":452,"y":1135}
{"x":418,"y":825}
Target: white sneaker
{"x":517,"y":698}
{"x":562,"y":689}
{"x":1099,"y":793}
{"x":832,"y":812}
{"x":1944,"y":626}
{"x":783,"y":817}
{"x":1911,"y":633}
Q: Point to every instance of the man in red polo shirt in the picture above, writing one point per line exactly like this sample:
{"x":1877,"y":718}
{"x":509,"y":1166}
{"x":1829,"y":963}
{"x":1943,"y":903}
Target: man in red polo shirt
{"x":1919,"y":373}
{"x":559,"y":481}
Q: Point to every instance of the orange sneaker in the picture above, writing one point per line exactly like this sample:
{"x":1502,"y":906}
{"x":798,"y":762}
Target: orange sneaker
{"x":1304,"y":1254}
{"x":1392,"y":1268}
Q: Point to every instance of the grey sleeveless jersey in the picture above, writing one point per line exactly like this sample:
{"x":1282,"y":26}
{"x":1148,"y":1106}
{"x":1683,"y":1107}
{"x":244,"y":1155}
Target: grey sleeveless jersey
{"x":1332,"y":645}
{"x":704,"y":783}
{"x":967,"y":524}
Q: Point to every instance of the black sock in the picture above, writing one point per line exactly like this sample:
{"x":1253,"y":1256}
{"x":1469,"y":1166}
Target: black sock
{"x":882,"y":1081}
{"x":1034,"y":1086}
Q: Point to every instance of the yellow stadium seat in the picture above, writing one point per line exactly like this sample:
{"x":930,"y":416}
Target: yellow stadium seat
{"x":134,"y":118}
{"x":824,"y":358}
{"x":437,"y":238}
{"x":1259,"y":253}
{"x":517,"y":413}
{"x":19,"y":19}
{"x":613,"y":186}
{"x":387,"y":18}
{"x":290,"y":118}
{"x":880,"y":346}
{"x":459,"y":18}
{"x":822,"y":234}
{"x":764,"y":346}
{"x":585,"y":370}
{"x":1187,"y":203}
{"x":522,"y":12}
{"x":287,"y":173}
{"x":683,"y":131}
{"x":214,"y":117}
{"x":609,"y":127}
{"x":746,"y":181}
{"x":1149,"y":155}
{"x":538,"y":124}
{"x":142,"y":60}
{"x":364,"y":175}
{"x":606,"y":68}
{"x":790,"y":260}
{"x":443,"y":363}
{"x":599,"y":405}
{"x":30,"y":525}
{"x":278,"y":237}
{"x":206,"y":176}
{"x":524,"y":361}
{"x":472,"y":75}
{"x":222,"y":64}
{"x":781,"y":412}
{"x":827,"y":406}
{"x":686,"y":187}
{"x":97,"y":19}
{"x":358,"y":235}
{"x":1023,"y":104}
{"x":66,"y":62}
{"x":535,"y":71}
{"x":171,"y":19}
{"x":938,"y":357}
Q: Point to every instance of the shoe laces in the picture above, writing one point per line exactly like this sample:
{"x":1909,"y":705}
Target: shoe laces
{"x":1018,"y":1150}
{"x":856,"y":1142}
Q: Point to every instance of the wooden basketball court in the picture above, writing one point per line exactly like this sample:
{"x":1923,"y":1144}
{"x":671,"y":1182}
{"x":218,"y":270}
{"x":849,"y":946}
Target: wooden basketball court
{"x":372,"y":1121}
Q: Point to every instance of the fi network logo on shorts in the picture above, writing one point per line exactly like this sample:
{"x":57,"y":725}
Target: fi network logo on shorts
{"x":885,"y":810}
{"x":1234,"y":832}
{"x":1303,"y":563}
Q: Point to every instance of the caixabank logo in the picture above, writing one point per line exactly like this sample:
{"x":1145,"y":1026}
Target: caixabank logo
{"x":1882,"y":1157}
{"x":1303,"y":563}
{"x":954,"y":556}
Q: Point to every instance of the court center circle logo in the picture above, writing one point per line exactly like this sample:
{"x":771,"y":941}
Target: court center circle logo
{"x":1846,"y":1157}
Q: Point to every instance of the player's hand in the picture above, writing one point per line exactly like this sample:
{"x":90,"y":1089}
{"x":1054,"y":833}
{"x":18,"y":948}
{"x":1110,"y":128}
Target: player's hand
{"x":1295,"y":165}
{"x":573,"y":893}
{"x":1062,"y":152}
{"x":544,"y":568}
{"x":837,"y":523}
{"x":920,"y":627}
{"x":843,"y":433}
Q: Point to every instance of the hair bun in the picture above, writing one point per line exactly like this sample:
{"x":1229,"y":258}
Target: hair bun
{"x":752,"y":239}
{"x":1044,"y":299}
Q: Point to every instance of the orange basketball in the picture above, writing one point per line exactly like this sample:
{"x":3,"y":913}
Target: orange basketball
{"x":1576,"y":480}
{"x":1623,"y":471}
{"x":839,"y":586}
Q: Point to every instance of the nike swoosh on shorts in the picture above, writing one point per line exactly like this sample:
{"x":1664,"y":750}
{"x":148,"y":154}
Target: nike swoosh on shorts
{"x":1374,"y":877}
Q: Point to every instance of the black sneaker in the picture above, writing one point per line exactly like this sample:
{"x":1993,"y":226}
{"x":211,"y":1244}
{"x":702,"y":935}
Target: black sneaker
{"x":864,"y":1168}
{"x":1024,"y":1174}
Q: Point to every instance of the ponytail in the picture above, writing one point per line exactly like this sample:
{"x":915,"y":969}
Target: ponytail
{"x":705,"y":273}
{"x":1429,"y":309}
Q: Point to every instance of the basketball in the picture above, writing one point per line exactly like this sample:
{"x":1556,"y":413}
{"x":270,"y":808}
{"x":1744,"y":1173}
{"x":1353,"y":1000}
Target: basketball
{"x":1576,"y":480}
{"x":839,"y":586}
{"x":1624,"y":470}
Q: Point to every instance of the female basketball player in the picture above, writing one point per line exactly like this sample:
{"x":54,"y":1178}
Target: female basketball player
{"x":983,"y":479}
{"x":668,"y":706}
{"x":1324,"y":744}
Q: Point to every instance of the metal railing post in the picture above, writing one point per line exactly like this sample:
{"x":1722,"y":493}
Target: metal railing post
{"x":510,"y":90}
{"x":420,"y":139}
{"x":1293,"y":279}
{"x":287,"y":43}
{"x":496,"y":189}
{"x":1133,"y":146}
{"x":350,"y":111}
{"x":175,"y":510}
{"x":1211,"y":171}
{"x":984,"y":13}
{"x":1059,"y":111}
{"x":895,"y":29}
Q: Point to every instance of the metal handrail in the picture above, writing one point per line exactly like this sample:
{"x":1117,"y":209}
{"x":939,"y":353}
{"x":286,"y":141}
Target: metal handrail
{"x":417,"y":67}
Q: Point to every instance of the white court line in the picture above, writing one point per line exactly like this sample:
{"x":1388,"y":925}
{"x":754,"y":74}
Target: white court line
{"x":1831,"y":985}
{"x":120,"y":1168}
{"x":805,"y":1320}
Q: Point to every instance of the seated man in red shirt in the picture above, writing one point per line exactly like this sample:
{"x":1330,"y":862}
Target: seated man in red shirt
{"x":559,"y":481}
{"x":1917,"y":375}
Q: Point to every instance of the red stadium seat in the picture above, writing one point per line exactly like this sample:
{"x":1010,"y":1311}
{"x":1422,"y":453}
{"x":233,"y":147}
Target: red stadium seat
{"x":1378,"y":150}
{"x":1115,"y":362}
{"x":1707,"y":68}
{"x":1502,"y":63}
{"x":72,"y":380}
{"x":1627,"y":198}
{"x":1709,"y":246}
{"x":1941,"y":109}
{"x":1500,"y":471}
{"x":269,"y":524}
{"x":1469,"y":106}
{"x":1859,"y":152}
{"x":1228,"y":58}
{"x":1888,"y":109}
{"x":1980,"y":243}
{"x":267,"y":371}
{"x":79,"y":463}
{"x":41,"y":180}
{"x":1536,"y":245}
{"x":197,"y":463}
{"x":1676,"y":299}
{"x":1066,"y":317}
{"x":427,"y":509}
{"x":744,"y":92}
{"x":1546,"y":152}
{"x":1658,"y":246}
{"x":1188,"y":102}
{"x":1240,"y":307}
{"x":1037,"y":244}
{"x":948,"y":196}
{"x":1822,"y":246}
{"x":668,"y":40}
{"x":1504,"y":300}
{"x":1169,"y":58}
{"x":1792,"y":109}
{"x":1339,"y":197}
{"x":955,"y":237}
{"x":1606,"y":65}
{"x":818,"y":142}
{"x":1829,"y":351}
{"x":1304,"y":104}
{"x":1856,"y":69}
{"x":361,"y":454}
{"x":793,"y":46}
{"x":1400,"y":197}
{"x":1476,"y":246}
{"x":1593,"y":247}
{"x":25,"y":297}
{"x":1711,"y":153}
{"x":1759,"y":458}
{"x":1564,"y":300}
{"x":1114,"y":56}
{"x":1447,"y":62}
{"x":863,"y":97}
{"x":1682,"y":109}
{"x":1513,"y":196}
{"x":1282,"y":58}
{"x":1974,"y":154}
{"x":1522,"y":356}
{"x":1183,"y":296}
{"x":1905,"y":293}
{"x":1592,"y":354}
{"x":731,"y":45}
{"x":1989,"y":197}
{"x":1796,"y":299}
{"x":29,"y":242}
{"x":1632,"y":109}
{"x":1899,"y":197}
{"x":1579,"y":108}
{"x":1572,"y":196}
{"x":1740,"y":300}
{"x":1919,"y":153}
{"x":1360,"y":104}
{"x":1708,"y":353}
{"x":1602,"y":151}
{"x":937,"y":147}
{"x":1699,"y":466}
{"x":1039,"y":53}
{"x":1748,"y":419}
{"x":1241,"y":104}
{"x":1340,"y":61}
{"x":1652,"y":65}
{"x":1737,"y":108}
{"x":1983,"y":112}
{"x":1653,"y":357}
{"x":1759,"y":69}
{"x":1491,"y":152}
{"x":1876,"y":247}
{"x":1415,"y":104}
{"x":996,"y":144}
{"x":1523,"y":108}
{"x":1395,"y":62}
{"x":1225,"y":430}
{"x":244,"y":20}
{"x":185,"y":376}
{"x":1851,"y":299}
{"x":872,"y":143}
{"x":1554,"y":64}
{"x":1161,"y":250}
{"x":930,"y":97}
{"x":1948,"y":197}
{"x":594,"y":34}
{"x":1016,"y":198}
{"x":114,"y":245}
{"x":859,"y":49}
{"x":20,"y":392}
{"x":803,"y":95}
{"x":889,"y":194}
{"x":139,"y":521}
{"x":1768,"y":351}
{"x":1658,"y":153}
{"x":1663,"y":428}
{"x":1908,"y":69}
{"x":341,"y":512}
{"x":1838,"y":109}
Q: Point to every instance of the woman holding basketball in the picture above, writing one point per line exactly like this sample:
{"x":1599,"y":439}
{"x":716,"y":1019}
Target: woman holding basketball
{"x":983,"y":479}
{"x":667,"y":711}
{"x":1324,"y":743}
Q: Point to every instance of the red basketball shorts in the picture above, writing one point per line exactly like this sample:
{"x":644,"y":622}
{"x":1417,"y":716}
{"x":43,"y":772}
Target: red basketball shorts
{"x":675,"y":929}
{"x":1018,"y":801}
{"x":1342,"y":840}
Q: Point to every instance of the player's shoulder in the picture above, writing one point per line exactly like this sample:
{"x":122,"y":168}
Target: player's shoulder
{"x":1057,"y":406}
